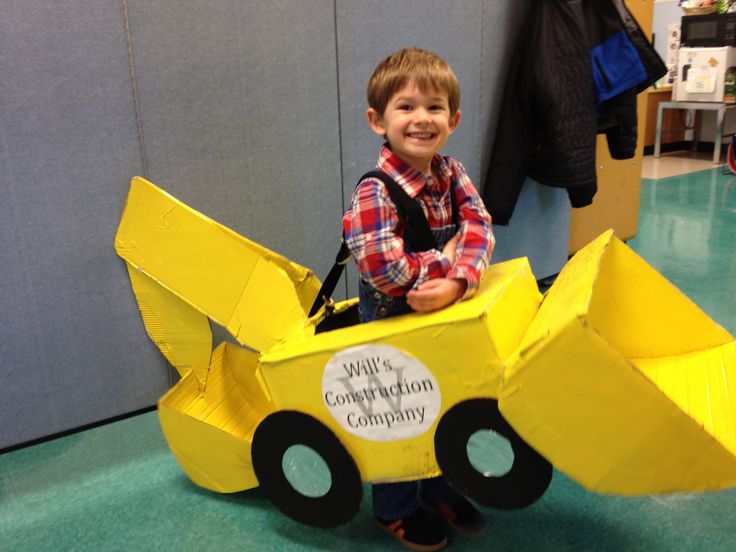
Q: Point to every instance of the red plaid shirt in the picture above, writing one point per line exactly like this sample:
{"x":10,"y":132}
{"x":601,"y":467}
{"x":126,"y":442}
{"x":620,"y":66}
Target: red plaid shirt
{"x":374,"y":235}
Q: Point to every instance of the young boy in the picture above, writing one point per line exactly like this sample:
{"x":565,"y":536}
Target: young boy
{"x":414,"y":102}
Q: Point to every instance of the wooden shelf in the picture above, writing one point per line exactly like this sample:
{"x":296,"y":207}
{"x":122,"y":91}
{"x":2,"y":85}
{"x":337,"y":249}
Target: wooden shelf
{"x":672,"y":118}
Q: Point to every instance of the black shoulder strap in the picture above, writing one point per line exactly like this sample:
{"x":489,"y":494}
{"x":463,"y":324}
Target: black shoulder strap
{"x":416,"y":228}
{"x":330,"y":283}
{"x":416,"y":232}
{"x":453,"y":203}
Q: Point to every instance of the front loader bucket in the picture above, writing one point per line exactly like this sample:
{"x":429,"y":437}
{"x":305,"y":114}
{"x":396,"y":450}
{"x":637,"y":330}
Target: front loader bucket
{"x":623,"y":383}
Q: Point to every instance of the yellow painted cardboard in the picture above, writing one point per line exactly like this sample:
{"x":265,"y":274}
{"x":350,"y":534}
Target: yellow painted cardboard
{"x":458,"y":345}
{"x":623,"y":383}
{"x":616,"y":378}
{"x":210,"y":431}
{"x":181,"y":332}
{"x":256,"y":294}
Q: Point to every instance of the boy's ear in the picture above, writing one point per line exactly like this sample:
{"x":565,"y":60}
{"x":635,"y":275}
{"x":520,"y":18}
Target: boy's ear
{"x":455,"y":120}
{"x":375,"y":121}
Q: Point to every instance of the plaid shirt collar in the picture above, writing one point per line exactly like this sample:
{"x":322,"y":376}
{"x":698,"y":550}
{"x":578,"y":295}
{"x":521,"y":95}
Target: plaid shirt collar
{"x":412,"y":180}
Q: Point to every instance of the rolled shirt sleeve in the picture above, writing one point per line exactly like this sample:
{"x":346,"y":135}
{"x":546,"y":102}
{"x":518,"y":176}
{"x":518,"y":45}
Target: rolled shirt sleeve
{"x":475,"y":246}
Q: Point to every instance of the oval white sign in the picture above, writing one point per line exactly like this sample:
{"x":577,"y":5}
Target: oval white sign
{"x":380,"y":393}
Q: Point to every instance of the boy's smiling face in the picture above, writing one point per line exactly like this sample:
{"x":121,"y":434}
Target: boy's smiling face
{"x":416,"y":124}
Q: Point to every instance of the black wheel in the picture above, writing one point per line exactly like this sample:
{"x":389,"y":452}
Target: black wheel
{"x":273,"y":437}
{"x":529,"y":475}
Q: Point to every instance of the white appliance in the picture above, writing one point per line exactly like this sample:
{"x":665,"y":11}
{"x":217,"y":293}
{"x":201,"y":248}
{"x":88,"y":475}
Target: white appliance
{"x":701,"y":72}
{"x":673,"y":44}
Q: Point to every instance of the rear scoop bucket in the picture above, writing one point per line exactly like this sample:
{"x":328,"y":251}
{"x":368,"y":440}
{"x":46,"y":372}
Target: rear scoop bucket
{"x":259,"y":296}
{"x":623,"y":383}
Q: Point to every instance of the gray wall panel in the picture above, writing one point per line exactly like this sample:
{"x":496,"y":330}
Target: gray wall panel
{"x":538,"y":230}
{"x":70,"y":350}
{"x":239,"y":110}
{"x":502,"y":21}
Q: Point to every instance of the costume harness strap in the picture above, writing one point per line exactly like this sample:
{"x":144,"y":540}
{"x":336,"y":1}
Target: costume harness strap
{"x":417,"y":233}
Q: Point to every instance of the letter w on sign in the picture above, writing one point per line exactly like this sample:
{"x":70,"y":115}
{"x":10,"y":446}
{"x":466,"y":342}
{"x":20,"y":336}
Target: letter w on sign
{"x":375,"y":383}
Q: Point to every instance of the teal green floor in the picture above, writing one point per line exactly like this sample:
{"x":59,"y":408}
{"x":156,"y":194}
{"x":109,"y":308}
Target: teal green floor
{"x":117,"y":487}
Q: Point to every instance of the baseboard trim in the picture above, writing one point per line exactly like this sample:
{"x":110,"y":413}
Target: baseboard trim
{"x":686,"y":145}
{"x":77,"y":429}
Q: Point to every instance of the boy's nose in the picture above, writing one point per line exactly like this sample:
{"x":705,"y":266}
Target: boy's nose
{"x":421,"y":115}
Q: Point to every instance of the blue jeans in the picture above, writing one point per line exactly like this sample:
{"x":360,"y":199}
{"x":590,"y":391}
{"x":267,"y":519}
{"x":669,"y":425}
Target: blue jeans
{"x":394,"y":500}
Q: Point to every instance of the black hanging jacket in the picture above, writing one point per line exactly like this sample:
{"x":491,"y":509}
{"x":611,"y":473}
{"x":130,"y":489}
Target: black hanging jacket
{"x":624,"y":64}
{"x":569,"y":79}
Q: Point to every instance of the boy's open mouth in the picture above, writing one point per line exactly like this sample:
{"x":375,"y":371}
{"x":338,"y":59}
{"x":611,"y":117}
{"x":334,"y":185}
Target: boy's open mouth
{"x":421,"y":135}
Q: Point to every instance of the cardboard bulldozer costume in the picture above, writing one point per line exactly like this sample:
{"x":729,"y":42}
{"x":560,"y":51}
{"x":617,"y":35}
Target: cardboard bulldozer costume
{"x":613,"y":376}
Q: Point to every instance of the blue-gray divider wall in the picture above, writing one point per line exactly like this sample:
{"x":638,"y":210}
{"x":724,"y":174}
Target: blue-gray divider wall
{"x":251,"y":112}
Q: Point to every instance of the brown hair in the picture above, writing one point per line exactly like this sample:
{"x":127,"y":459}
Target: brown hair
{"x":427,"y":70}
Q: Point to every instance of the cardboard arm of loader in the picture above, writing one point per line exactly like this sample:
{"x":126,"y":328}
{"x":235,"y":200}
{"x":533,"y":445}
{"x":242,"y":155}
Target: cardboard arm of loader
{"x":181,"y":332}
{"x":186,"y":268}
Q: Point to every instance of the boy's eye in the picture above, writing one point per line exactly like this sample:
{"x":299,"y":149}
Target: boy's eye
{"x":405,"y":107}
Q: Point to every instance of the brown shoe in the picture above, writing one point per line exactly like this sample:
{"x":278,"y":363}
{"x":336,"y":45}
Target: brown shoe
{"x":461,"y":515}
{"x":418,"y":531}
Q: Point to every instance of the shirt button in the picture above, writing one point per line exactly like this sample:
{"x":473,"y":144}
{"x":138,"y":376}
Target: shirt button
{"x":377,"y":295}
{"x":382,"y":311}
